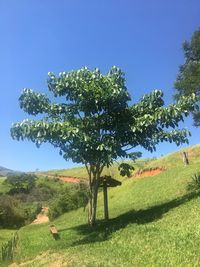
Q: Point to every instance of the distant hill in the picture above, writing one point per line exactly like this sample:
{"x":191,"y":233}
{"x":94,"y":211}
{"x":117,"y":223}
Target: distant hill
{"x":4,"y":171}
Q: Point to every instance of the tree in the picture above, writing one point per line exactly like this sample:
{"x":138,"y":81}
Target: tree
{"x":188,"y":79}
{"x":93,"y":123}
{"x":20,"y":182}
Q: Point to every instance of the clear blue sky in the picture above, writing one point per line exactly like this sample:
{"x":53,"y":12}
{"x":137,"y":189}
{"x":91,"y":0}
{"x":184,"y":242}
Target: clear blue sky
{"x":144,"y":38}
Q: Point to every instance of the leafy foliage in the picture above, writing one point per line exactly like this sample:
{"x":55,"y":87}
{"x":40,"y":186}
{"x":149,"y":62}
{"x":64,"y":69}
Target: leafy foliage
{"x":20,"y":183}
{"x":125,"y":169}
{"x":96,"y":123}
{"x":71,"y":198}
{"x":188,"y":79}
{"x":14,"y":213}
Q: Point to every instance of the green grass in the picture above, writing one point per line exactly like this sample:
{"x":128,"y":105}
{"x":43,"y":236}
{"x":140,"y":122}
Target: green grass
{"x":5,"y":235}
{"x":154,"y":221}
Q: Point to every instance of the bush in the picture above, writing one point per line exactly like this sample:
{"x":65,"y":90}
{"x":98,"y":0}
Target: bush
{"x":10,"y":213}
{"x":60,"y":205}
{"x":15,"y":213}
{"x":195,"y":183}
{"x":71,"y":198}
{"x":41,"y":192}
{"x":31,"y":210}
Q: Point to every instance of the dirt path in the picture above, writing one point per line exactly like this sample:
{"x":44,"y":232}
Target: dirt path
{"x":42,"y":217}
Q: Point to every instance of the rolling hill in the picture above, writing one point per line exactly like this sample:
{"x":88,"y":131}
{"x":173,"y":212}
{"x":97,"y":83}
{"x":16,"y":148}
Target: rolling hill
{"x":154,"y":221}
{"x":4,"y":171}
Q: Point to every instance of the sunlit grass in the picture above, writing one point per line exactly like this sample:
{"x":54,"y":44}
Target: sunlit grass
{"x":5,"y":235}
{"x":154,"y":221}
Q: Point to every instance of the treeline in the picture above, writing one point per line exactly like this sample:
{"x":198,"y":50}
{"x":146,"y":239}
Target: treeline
{"x":27,"y":193}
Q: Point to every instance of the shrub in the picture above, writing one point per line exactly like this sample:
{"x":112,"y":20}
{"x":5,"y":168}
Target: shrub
{"x":60,"y":205}
{"x":71,"y":198}
{"x":195,"y":183}
{"x":15,"y":213}
{"x":31,"y":210}
{"x":41,"y":192}
{"x":10,"y":214}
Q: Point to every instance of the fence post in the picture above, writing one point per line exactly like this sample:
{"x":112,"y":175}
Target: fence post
{"x":185,"y":158}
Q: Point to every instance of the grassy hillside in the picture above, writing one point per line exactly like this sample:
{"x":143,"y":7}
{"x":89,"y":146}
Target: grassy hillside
{"x":113,"y":171}
{"x":4,"y":171}
{"x":154,"y":221}
{"x":5,"y":234}
{"x":75,"y":172}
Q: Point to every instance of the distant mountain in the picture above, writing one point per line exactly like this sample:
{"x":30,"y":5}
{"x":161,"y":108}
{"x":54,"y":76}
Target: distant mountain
{"x":4,"y":171}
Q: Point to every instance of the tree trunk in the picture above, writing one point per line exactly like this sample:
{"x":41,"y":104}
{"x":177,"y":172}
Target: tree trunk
{"x":94,"y":173}
{"x":93,"y":203}
{"x":105,"y":194}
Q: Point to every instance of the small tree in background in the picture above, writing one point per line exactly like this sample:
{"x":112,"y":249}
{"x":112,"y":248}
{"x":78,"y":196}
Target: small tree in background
{"x":21,"y":182}
{"x":188,"y":79}
{"x":92,"y":123}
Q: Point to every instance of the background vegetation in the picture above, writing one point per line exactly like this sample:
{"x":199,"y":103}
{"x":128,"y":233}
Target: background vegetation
{"x":23,"y":195}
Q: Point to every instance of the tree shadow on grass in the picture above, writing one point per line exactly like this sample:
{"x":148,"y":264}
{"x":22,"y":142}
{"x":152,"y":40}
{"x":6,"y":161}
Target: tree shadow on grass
{"x":102,"y":231}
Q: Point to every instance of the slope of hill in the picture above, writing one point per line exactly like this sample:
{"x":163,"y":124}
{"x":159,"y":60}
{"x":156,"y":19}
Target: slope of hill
{"x":4,"y":171}
{"x":154,"y":221}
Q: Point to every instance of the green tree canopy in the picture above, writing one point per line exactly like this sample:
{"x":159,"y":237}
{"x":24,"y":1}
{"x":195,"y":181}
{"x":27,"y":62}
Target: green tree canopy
{"x":94,"y":124}
{"x":188,"y":79}
{"x":21,"y":182}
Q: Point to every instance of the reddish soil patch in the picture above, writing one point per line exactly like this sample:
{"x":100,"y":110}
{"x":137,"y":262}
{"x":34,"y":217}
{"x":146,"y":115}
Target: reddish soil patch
{"x":149,"y":172}
{"x":69,"y":179}
{"x":64,"y":178}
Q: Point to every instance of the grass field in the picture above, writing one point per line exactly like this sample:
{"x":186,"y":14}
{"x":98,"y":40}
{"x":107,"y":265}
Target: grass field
{"x":5,"y":234}
{"x":154,"y":221}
